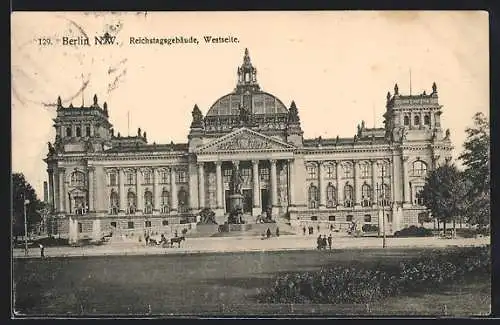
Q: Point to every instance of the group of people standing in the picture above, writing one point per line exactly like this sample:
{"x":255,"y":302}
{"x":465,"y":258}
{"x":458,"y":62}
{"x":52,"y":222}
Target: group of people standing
{"x":323,"y":241}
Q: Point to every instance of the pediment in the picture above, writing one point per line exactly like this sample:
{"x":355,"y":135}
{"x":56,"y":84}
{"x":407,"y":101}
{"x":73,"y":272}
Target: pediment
{"x":244,"y":140}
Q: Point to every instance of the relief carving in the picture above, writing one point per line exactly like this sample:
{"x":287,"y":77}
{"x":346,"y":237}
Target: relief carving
{"x":244,"y":141}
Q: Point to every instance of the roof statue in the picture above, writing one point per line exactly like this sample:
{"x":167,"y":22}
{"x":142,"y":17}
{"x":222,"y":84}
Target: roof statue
{"x":105,"y":106}
{"x":112,"y":131}
{"x":293,"y":113}
{"x":144,"y":134}
{"x":434,"y":88}
{"x":396,"y":89}
{"x":388,"y":96}
{"x":197,"y":117}
{"x":59,"y":102}
{"x":138,"y":132}
{"x":245,"y":115}
{"x":52,"y":150}
{"x":95,"y":100}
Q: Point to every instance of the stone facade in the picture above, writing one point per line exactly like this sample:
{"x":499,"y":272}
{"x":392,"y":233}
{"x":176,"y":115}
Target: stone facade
{"x":100,"y":181}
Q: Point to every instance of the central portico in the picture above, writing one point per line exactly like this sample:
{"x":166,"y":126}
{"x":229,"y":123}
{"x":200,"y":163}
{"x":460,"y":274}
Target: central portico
{"x":265,"y":164}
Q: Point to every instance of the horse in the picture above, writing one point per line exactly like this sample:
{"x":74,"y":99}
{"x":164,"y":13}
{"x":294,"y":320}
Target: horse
{"x":177,"y":240}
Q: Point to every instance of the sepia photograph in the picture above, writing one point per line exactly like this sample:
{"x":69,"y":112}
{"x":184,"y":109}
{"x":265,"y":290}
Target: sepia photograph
{"x":250,"y":164}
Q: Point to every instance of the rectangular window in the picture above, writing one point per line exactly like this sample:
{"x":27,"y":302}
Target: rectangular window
{"x":365,"y":170}
{"x":181,"y":176}
{"x":264,"y":174}
{"x":165,"y":177}
{"x":347,"y":172}
{"x":331,"y":218}
{"x":130,"y":225}
{"x":314,"y":218}
{"x":147,"y":178}
{"x":80,"y":227}
{"x":246,"y":173}
{"x":113,"y":179}
{"x":113,"y":224}
{"x":330,"y":172}
{"x":348,"y":218}
{"x":130,"y":179}
{"x":87,"y":131}
{"x":147,"y":224}
{"x":417,"y":199}
{"x":368,"y":218}
{"x":227,"y":175}
{"x":164,"y":223}
{"x":311,"y":172}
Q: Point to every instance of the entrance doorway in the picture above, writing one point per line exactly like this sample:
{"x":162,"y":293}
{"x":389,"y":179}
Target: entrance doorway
{"x":247,"y":201}
{"x":264,"y":197}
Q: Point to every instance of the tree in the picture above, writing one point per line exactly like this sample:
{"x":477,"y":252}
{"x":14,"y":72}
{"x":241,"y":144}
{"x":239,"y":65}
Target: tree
{"x":476,"y":159}
{"x":443,"y":193}
{"x":21,"y":191}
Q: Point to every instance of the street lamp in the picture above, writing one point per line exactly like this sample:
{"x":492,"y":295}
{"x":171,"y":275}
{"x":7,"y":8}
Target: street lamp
{"x":25,"y":203}
{"x":381,"y":202}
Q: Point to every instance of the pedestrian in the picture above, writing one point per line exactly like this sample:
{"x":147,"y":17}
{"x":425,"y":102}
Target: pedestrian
{"x":323,"y":242}
{"x":318,"y":241}
{"x":318,"y":228}
{"x":304,"y":230}
{"x":42,"y":255}
{"x":330,"y":241}
{"x":268,"y":232}
{"x":277,"y":231}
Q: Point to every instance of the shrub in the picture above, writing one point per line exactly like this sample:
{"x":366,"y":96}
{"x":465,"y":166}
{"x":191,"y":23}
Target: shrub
{"x":357,"y":285}
{"x":369,"y":228}
{"x":414,"y":231}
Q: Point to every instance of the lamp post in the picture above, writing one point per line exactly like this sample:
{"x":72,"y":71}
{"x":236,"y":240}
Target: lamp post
{"x":25,"y":203}
{"x":381,"y":199}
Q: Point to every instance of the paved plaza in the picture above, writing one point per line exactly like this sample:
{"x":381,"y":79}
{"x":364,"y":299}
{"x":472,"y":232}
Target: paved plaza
{"x":248,"y":244}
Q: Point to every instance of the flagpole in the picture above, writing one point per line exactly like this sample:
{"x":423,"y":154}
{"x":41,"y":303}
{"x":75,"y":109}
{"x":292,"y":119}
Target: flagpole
{"x":128,"y":123}
{"x":25,"y":226}
{"x":410,"y":81}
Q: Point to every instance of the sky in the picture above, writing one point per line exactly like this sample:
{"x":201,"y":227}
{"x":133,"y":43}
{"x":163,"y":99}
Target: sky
{"x":337,"y":66}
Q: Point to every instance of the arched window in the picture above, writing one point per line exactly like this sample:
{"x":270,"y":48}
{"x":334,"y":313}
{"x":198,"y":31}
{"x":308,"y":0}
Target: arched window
{"x":130,"y":178}
{"x":348,"y":196}
{"x":131,"y":202}
{"x":418,"y":200}
{"x":313,"y":197}
{"x":419,"y":168}
{"x":165,"y":201}
{"x":182,"y":199}
{"x":386,"y":195}
{"x":113,"y":202}
{"x":78,"y":131}
{"x":416,"y":120}
{"x":77,"y":178}
{"x":148,"y":202}
{"x":366,"y":194}
{"x":68,"y":131}
{"x":330,"y":196}
{"x":87,"y":131}
{"x":427,"y":120}
{"x":406,"y":120}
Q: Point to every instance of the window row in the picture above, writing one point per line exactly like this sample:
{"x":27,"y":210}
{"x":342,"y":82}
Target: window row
{"x":416,"y":120}
{"x":347,"y":171}
{"x":78,"y":131}
{"x":131,"y":225}
{"x":367,"y":200}
{"x":147,"y":178}
{"x":348,"y":218}
{"x":131,"y":203}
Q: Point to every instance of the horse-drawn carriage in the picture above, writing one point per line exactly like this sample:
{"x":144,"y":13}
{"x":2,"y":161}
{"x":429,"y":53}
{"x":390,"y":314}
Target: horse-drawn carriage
{"x":162,"y":241}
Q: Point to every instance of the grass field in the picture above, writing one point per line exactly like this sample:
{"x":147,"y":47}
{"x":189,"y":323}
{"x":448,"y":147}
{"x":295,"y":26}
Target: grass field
{"x":216,"y":284}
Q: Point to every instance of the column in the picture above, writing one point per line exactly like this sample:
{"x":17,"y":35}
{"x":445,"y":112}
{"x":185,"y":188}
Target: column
{"x":201,"y":186}
{"x":62,"y":190}
{"x":374,"y":181}
{"x":139,"y":194}
{"x":357,"y":187}
{"x":121,"y":190}
{"x":51,"y":188}
{"x":91,"y":189}
{"x":291,"y":184}
{"x":274,"y":184}
{"x":256,"y":184}
{"x":156,"y":191}
{"x":173,"y":189}
{"x":218,"y":176}
{"x":406,"y":181}
{"x":394,"y":186}
{"x":322,"y":189}
{"x":337,"y":184}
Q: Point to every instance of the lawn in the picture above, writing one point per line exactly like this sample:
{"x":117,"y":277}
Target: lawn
{"x":215,"y":284}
